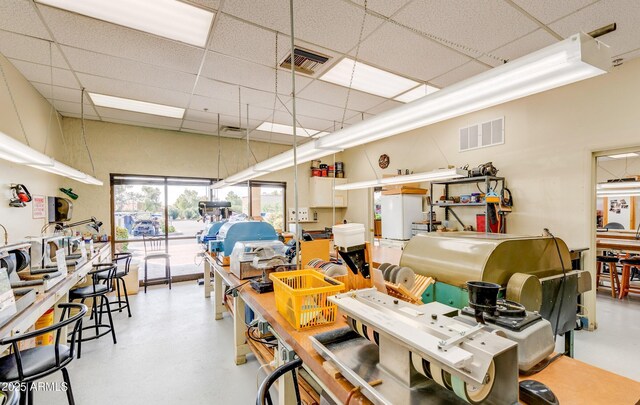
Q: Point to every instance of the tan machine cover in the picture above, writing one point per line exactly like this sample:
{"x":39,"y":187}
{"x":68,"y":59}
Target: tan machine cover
{"x":457,"y":257}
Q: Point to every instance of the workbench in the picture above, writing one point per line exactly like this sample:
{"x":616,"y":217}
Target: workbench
{"x":573,"y":382}
{"x":59,"y":293}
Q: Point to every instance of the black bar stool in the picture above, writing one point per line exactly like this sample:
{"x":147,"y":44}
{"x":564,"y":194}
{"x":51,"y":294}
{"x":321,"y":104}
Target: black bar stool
{"x":27,"y":366}
{"x":121,"y":272}
{"x":627,"y":265}
{"x":99,"y":288}
{"x":610,"y":262}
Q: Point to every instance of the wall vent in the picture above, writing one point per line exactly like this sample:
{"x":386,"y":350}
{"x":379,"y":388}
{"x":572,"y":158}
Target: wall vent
{"x":305,"y":61}
{"x":482,"y":135}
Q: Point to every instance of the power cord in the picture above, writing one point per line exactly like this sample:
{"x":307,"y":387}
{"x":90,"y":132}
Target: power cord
{"x":563,"y":283}
{"x":236,"y":288}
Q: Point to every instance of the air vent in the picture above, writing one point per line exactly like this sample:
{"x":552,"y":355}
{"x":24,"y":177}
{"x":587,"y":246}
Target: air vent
{"x":482,"y":135}
{"x":305,"y":61}
{"x":232,"y":131}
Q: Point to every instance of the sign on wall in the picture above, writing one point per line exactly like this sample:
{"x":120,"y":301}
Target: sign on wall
{"x":39,"y":206}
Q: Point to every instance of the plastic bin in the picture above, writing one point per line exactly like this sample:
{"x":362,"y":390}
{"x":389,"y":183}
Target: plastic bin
{"x":301,"y":297}
{"x":348,"y":235}
{"x":47,"y":319}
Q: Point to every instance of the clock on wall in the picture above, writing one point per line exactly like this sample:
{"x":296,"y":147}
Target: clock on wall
{"x":383,"y":161}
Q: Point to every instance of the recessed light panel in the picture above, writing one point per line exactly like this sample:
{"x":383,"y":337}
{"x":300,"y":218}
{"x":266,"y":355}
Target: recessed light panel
{"x":166,"y":18}
{"x":288,"y":129}
{"x":368,"y":79}
{"x":102,"y":100}
{"x":418,"y":92}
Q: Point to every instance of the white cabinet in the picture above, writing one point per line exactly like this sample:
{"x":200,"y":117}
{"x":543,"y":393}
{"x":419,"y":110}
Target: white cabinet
{"x":321,"y":190}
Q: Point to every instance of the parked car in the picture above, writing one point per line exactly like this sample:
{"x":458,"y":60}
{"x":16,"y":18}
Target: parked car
{"x":145,"y":227}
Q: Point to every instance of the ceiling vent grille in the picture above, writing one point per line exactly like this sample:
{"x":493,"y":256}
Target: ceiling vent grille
{"x":482,"y":135}
{"x":232,"y":131}
{"x":305,"y":61}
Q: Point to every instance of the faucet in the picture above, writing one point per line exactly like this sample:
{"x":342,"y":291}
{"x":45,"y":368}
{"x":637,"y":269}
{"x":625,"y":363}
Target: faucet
{"x":6,"y":235}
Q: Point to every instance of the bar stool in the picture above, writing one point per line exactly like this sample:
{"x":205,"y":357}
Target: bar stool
{"x":99,"y":288}
{"x":155,"y":248}
{"x":27,"y":366}
{"x":610,"y":262}
{"x":626,"y":287}
{"x":121,"y":272}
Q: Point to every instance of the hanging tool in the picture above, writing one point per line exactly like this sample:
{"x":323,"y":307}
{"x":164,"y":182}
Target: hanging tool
{"x":69,"y":192}
{"x":21,"y":196}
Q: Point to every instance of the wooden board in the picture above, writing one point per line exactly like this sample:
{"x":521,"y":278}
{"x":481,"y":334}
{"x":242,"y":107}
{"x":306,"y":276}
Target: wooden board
{"x":618,"y":244}
{"x":573,"y":381}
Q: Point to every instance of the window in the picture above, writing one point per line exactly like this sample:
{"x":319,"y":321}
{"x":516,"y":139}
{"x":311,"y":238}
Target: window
{"x":156,"y":206}
{"x":268,"y":202}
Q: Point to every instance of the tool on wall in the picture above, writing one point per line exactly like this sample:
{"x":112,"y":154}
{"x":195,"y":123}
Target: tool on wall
{"x":69,"y":192}
{"x":21,"y":196}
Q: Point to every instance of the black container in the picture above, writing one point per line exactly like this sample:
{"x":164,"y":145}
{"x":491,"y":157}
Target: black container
{"x":483,"y":296}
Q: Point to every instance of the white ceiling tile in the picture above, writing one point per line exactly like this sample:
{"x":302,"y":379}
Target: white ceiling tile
{"x":199,"y":126}
{"x":211,"y":127}
{"x":403,"y":52}
{"x":384,"y":7}
{"x":329,"y":93}
{"x":387,"y":105}
{"x":74,"y":115}
{"x":59,"y":93}
{"x":243,"y":40}
{"x":30,"y":49}
{"x":119,"y":88}
{"x":626,"y":13}
{"x":318,"y":110}
{"x":73,"y":107}
{"x":142,"y":124}
{"x":465,"y":71}
{"x":210,"y":4}
{"x":631,"y":54}
{"x":480,"y":25}
{"x":548,"y":11}
{"x":224,"y":107}
{"x":211,"y":88}
{"x":112,"y":113}
{"x":42,"y":74}
{"x":336,"y":26}
{"x":524,"y":46}
{"x":271,"y":137}
{"x":252,"y":75}
{"x":87,"y":33}
{"x":19,"y":16}
{"x":128,"y":70}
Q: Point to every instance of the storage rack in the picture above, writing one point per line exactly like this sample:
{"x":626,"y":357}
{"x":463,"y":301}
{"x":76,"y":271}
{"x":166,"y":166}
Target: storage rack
{"x":448,"y":207}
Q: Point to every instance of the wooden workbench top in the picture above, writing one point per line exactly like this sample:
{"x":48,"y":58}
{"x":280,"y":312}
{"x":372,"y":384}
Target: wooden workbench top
{"x":573,"y":381}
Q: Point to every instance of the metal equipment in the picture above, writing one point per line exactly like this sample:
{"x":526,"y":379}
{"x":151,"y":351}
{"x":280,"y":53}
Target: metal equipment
{"x":250,"y":258}
{"x":531,"y":270}
{"x":214,"y":214}
{"x":232,"y":232}
{"x":13,"y":258}
{"x":420,"y":353}
{"x":20,"y":196}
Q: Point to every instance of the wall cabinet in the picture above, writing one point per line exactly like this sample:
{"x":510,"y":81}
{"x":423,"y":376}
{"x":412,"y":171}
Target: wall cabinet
{"x":321,"y":190}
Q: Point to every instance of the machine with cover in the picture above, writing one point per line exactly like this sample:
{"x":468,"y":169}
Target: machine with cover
{"x":232,"y":232}
{"x":214,"y":214}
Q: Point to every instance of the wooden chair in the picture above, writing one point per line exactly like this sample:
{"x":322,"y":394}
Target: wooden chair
{"x":155,"y":248}
{"x":626,"y":286}
{"x":610,"y":262}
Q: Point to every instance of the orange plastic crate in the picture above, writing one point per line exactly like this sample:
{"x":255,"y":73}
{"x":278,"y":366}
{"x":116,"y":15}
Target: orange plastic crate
{"x":301,"y":297}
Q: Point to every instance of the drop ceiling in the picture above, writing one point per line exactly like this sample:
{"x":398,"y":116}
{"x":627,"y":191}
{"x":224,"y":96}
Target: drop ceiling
{"x":438,"y":42}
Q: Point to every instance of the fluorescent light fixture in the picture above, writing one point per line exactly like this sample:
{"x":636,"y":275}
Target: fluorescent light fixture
{"x":441,"y":174}
{"x":166,"y":18}
{"x":418,"y":92}
{"x":618,"y":185}
{"x":102,"y":100}
{"x":288,"y":129}
{"x":623,"y":155}
{"x":576,"y":58}
{"x":368,"y":79}
{"x":17,"y":152}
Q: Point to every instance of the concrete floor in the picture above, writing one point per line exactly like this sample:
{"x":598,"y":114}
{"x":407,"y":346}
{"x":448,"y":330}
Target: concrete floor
{"x":172,"y":351}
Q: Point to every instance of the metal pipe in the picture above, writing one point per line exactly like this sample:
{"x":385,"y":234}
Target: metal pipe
{"x":295,"y":142}
{"x":6,"y":235}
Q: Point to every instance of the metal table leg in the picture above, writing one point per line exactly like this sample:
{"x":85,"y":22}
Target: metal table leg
{"x":207,"y":278}
{"x":218,"y":291}
{"x":240,"y":345}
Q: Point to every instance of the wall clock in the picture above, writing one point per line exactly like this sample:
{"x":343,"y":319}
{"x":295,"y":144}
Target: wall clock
{"x":383,"y":161}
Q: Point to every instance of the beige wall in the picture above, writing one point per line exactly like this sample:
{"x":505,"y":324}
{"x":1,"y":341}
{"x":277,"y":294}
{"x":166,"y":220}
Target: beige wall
{"x":547,"y":156}
{"x":39,"y":123}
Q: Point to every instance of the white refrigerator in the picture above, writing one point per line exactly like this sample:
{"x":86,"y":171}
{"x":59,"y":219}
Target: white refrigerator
{"x":398,"y":212}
